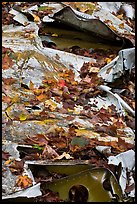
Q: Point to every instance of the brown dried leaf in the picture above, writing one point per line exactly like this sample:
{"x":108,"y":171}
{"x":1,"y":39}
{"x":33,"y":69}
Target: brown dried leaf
{"x":5,"y":155}
{"x":39,"y":139}
{"x":6,"y":99}
{"x":7,"y":62}
{"x":49,"y":152}
{"x":8,"y":81}
{"x":17,"y":167}
{"x":130,"y":188}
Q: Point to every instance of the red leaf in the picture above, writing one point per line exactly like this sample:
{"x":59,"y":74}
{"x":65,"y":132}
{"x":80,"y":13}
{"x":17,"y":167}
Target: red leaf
{"x":61,"y":83}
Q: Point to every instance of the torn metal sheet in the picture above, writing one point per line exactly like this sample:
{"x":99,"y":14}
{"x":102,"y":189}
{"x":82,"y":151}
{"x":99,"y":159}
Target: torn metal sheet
{"x":104,"y":15}
{"x":116,"y":6}
{"x":80,"y":21}
{"x":121,"y":102}
{"x":62,"y":167}
{"x":56,"y":7}
{"x":97,"y":177}
{"x":11,"y":148}
{"x":104,"y":149}
{"x":127,"y":160}
{"x":35,"y":66}
{"x":117,"y":67}
{"x":10,"y":190}
{"x":30,"y":192}
{"x":110,"y":6}
{"x":19,"y":17}
{"x":129,"y":10}
{"x":42,"y":62}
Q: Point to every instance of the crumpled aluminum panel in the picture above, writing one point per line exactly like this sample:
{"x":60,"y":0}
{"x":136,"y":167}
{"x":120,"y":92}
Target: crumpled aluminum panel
{"x":93,"y":25}
{"x":117,"y":67}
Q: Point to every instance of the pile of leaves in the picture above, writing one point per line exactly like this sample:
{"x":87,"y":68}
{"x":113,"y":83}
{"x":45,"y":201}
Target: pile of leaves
{"x":65,"y":107}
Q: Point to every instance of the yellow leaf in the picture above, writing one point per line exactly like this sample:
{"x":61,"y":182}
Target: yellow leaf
{"x":108,"y":60}
{"x":19,"y":56}
{"x":22,"y":117}
{"x":38,"y":91}
{"x":54,"y":35}
{"x":36,"y":18}
{"x":121,"y":25}
{"x":84,"y":10}
{"x":16,"y":98}
{"x":94,"y":69}
{"x":120,"y":16}
{"x":32,"y":35}
{"x":70,"y":110}
{"x":8,"y":161}
{"x":51,"y":104}
{"x":31,"y":85}
{"x":112,"y":27}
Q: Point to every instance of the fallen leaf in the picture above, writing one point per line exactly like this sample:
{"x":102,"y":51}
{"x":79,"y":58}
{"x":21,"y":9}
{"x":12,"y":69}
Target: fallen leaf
{"x":8,"y":81}
{"x":108,"y":22}
{"x":69,"y":118}
{"x":8,"y":162}
{"x":38,"y":91}
{"x":22,"y":117}
{"x":31,"y":85}
{"x":23,"y":181}
{"x":87,"y":79}
{"x":121,"y":25}
{"x":61,"y":83}
{"x":39,"y":139}
{"x":7,"y":62}
{"x":5,"y":155}
{"x":94,"y":69}
{"x":32,"y":35}
{"x":130,"y":188}
{"x":15,"y":99}
{"x":36,"y":18}
{"x":17,"y":167}
{"x":67,"y":156}
{"x":112,"y":27}
{"x":108,"y":60}
{"x":50,"y":104}
{"x":120,"y":16}
{"x":54,"y":35}
{"x":6,"y":99}
{"x":3,"y":3}
{"x":41,"y":97}
{"x":49,"y":152}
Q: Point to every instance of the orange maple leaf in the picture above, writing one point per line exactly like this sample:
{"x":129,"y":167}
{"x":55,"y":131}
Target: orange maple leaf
{"x":41,"y":97}
{"x":23,"y":181}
